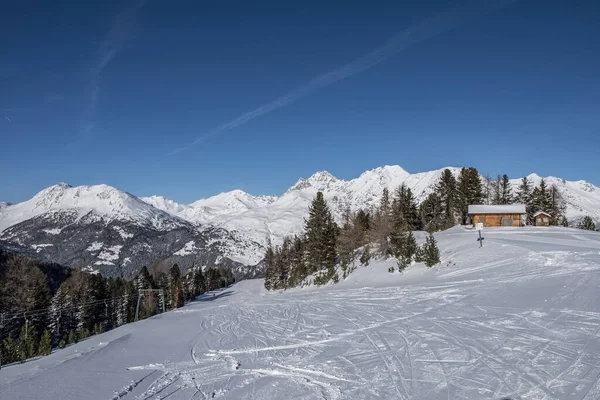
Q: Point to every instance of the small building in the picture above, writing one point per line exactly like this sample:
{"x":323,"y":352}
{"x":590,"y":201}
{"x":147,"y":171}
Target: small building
{"x":542,"y":218}
{"x":498,"y":215}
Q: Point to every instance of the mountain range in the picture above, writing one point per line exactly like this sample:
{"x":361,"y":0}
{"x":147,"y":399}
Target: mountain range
{"x":101,"y":228}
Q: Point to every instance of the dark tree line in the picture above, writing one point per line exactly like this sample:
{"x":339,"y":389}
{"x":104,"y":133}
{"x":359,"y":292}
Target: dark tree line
{"x":44,"y":306}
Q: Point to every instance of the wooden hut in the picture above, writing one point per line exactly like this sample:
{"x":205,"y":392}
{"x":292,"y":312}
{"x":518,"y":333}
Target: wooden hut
{"x":542,"y":218}
{"x":498,"y":215}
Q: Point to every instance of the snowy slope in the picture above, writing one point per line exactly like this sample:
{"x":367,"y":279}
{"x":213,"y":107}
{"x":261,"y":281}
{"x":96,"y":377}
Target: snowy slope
{"x":518,"y":318}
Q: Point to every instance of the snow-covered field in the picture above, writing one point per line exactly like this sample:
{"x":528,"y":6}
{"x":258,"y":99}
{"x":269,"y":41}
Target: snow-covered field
{"x":519,"y":318}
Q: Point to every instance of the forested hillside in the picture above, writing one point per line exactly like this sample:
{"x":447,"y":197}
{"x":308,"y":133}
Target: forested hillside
{"x":45,"y":305}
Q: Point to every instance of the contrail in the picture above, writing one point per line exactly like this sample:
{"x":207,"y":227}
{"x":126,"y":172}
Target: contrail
{"x":426,"y":29}
{"x":114,"y":41}
{"x":8,"y":119}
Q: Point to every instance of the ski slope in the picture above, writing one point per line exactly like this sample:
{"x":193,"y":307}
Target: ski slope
{"x":518,"y":318}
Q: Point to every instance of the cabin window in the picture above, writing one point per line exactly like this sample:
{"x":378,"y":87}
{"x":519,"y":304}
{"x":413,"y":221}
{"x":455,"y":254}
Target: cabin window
{"x":545,"y":219}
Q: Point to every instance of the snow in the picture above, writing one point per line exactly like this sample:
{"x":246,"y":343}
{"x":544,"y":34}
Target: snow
{"x":124,"y":234}
{"x":187,"y":249}
{"x":253,"y":220}
{"x":40,"y":247}
{"x":100,"y":200}
{"x":541,"y":213}
{"x":257,"y":219}
{"x":95,"y":246}
{"x":518,"y":318}
{"x":498,"y":209}
{"x":581,"y":197}
{"x":108,"y":255}
{"x":54,"y":231}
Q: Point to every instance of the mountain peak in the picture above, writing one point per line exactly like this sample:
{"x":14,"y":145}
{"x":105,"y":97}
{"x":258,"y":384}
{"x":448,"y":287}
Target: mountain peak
{"x":322,"y":176}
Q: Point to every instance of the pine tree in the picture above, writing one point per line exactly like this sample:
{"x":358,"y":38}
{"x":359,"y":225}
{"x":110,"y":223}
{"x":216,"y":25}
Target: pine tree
{"x":541,"y":200}
{"x":405,"y":250}
{"x":45,"y":347}
{"x":298,"y":269}
{"x":446,"y":192}
{"x":469,"y":191}
{"x":525,"y":196}
{"x":557,"y":206}
{"x":10,"y":350}
{"x":321,"y":236}
{"x":72,"y":337}
{"x":587,"y":223}
{"x":432,"y":213}
{"x":497,"y":190}
{"x":382,"y":224}
{"x":57,"y":304}
{"x":199,"y":282}
{"x":564,"y":222}
{"x":404,"y":209}
{"x":28,"y":341}
{"x":430,"y":252}
{"x":506,"y":195}
{"x":176,"y":286}
{"x":144,"y":280}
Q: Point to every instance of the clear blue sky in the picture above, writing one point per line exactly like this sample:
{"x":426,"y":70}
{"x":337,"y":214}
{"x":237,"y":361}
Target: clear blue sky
{"x":117,"y":92}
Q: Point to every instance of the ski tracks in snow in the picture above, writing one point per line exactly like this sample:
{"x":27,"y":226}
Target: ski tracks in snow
{"x":447,"y":340}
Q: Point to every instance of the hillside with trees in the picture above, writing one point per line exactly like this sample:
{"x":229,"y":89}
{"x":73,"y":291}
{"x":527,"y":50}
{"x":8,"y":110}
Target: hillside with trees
{"x":44,"y":306}
{"x":324,"y":248}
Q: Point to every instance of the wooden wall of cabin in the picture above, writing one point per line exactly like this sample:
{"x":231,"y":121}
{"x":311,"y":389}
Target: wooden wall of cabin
{"x":496,"y":219}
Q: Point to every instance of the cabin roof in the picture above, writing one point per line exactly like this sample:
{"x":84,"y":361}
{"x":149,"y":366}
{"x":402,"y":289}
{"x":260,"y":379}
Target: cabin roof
{"x":497,"y":209}
{"x":541,"y":213}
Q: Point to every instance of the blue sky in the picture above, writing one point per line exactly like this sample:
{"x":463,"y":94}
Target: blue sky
{"x":150,"y":96}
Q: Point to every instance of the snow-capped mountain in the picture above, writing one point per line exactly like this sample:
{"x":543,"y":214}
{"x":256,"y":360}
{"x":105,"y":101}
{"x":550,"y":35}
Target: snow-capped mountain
{"x":105,"y":229}
{"x":100,"y":227}
{"x":3,"y":204}
{"x":259,"y":218}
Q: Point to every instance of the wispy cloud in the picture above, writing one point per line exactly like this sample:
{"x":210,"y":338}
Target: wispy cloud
{"x":8,"y":119}
{"x":400,"y":42}
{"x":114,"y":41}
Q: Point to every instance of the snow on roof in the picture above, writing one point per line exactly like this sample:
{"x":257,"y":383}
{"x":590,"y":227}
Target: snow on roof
{"x":497,"y":209}
{"x":541,"y":213}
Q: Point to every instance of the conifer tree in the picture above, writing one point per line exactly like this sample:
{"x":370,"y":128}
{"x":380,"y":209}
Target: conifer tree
{"x":447,"y":194}
{"x":298,"y":269}
{"x":199,"y":282}
{"x":430,"y":253}
{"x":10,"y":350}
{"x":524,"y":191}
{"x":382,"y":224}
{"x":270,"y":273}
{"x":506,"y":195}
{"x":468,"y":191}
{"x":71,"y":338}
{"x":27,"y":342}
{"x":405,"y":250}
{"x":587,"y":223}
{"x":557,"y":206}
{"x":497,"y":190}
{"x":525,"y":196}
{"x":321,"y":236}
{"x":564,"y":222}
{"x":432,"y":213}
{"x":45,"y":347}
{"x":176,"y":286}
